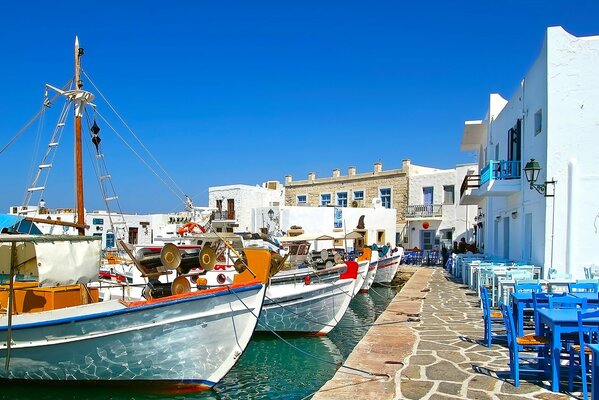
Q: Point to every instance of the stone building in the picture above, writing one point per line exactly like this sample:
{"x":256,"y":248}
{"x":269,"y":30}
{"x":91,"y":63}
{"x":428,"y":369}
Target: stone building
{"x":388,"y":189}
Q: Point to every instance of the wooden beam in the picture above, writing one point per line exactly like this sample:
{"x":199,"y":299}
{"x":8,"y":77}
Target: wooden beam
{"x":56,"y":222}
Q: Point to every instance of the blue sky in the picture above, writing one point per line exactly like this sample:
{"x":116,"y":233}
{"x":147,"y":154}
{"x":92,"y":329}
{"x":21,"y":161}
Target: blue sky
{"x":243,"y":92}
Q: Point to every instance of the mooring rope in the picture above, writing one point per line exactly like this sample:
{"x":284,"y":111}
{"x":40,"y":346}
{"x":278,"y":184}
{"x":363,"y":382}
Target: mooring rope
{"x":361,"y":371}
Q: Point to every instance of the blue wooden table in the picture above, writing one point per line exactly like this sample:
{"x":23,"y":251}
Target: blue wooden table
{"x":521,"y":301}
{"x":555,"y":323}
{"x":595,"y":373}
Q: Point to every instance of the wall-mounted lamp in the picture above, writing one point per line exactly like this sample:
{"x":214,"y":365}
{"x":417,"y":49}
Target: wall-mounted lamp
{"x":531,"y":170}
{"x":514,"y":214}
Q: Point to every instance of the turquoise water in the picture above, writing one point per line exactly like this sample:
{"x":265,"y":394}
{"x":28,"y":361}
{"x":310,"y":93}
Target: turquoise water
{"x":291,"y":368}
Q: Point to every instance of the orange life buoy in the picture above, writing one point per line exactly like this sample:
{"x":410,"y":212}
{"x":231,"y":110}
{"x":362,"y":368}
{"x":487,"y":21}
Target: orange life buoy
{"x":190,"y":226}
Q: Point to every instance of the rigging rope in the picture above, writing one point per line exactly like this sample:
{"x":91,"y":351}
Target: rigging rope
{"x":134,"y":135}
{"x":140,"y":157}
{"x":361,"y":371}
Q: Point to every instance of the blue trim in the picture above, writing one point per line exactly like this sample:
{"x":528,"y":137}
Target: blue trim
{"x":129,"y":310}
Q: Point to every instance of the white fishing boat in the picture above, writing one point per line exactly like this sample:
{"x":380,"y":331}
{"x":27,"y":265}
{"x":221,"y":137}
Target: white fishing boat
{"x":372,"y":267}
{"x":55,"y":329}
{"x":387,"y":267}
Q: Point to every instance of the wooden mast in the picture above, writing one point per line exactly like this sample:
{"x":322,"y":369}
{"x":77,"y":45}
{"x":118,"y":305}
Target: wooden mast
{"x":78,"y":152}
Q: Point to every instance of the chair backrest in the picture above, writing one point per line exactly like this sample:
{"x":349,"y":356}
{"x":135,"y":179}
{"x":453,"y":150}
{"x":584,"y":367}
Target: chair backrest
{"x":528,"y":286}
{"x":565,"y":301}
{"x":579,"y":286}
{"x":510,"y":328}
{"x":587,"y":272}
{"x":518,"y":274}
{"x":485,"y":302}
{"x":553,"y":274}
{"x":585,"y":328}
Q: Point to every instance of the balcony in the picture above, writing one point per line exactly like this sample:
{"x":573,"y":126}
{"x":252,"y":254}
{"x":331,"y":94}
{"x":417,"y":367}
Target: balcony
{"x":424,"y":211}
{"x":500,"y":178}
{"x":468,"y":193}
{"x":223,"y":215}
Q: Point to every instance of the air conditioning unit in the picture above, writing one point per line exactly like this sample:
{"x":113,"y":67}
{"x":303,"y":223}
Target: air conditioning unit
{"x":377,"y":202}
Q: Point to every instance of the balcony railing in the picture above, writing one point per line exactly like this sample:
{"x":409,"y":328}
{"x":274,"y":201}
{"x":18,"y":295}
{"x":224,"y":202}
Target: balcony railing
{"x":469,"y":182}
{"x":223,"y":215}
{"x":424,"y":211}
{"x":500,"y":170}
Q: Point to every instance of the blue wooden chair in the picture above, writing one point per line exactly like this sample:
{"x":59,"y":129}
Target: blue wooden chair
{"x":492,"y":319}
{"x":582,"y":286}
{"x":580,"y":365}
{"x":528,"y":286}
{"x":565,"y":301}
{"x":526,"y":352}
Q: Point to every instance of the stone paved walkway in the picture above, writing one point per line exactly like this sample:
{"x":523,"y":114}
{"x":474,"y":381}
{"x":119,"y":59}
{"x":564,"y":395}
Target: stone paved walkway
{"x":449,"y":361}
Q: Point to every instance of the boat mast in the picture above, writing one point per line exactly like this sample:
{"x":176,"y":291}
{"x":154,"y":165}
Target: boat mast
{"x":78,"y":152}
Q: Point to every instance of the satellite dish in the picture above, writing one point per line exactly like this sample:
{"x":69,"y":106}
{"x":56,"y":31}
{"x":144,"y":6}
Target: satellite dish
{"x":170,"y":256}
{"x":207,"y":258}
{"x":180,"y":285}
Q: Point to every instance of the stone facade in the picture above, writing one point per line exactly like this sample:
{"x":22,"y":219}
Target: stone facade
{"x":370,"y":184}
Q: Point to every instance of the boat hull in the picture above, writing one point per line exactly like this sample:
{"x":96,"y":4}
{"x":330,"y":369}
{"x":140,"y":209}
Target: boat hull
{"x":187,"y":342}
{"x":293,"y":305}
{"x":363,"y":268}
{"x":386,"y":269}
{"x":372,"y":267}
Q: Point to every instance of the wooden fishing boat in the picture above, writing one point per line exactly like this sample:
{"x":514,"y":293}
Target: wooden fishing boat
{"x":56,"y":329}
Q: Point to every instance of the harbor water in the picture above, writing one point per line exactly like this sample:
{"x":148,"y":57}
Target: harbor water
{"x":290,"y":367}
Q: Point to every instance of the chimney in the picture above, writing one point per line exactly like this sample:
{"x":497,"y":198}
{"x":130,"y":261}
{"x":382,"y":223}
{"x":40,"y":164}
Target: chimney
{"x":351,"y":171}
{"x":312,"y":176}
{"x":336,"y":173}
{"x":288,"y":179}
{"x":405,"y":163}
{"x":378,"y":167}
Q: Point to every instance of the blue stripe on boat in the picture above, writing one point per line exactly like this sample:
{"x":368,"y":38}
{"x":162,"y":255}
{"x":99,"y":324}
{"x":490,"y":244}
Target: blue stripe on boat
{"x":129,"y":310}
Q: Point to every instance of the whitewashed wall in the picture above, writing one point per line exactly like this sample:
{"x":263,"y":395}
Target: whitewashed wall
{"x":321,"y":220}
{"x":246,"y":198}
{"x":563,"y":86}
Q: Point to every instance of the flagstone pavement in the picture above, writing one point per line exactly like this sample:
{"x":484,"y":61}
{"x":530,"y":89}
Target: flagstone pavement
{"x":427,"y":344}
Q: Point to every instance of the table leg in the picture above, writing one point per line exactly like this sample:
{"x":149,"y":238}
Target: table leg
{"x":556,"y":347}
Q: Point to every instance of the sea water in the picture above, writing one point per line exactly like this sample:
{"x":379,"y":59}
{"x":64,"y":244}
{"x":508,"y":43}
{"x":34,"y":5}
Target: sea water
{"x":289,"y":367}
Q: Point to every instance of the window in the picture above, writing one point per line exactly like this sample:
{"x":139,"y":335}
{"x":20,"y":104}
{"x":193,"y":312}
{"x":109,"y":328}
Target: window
{"x":538,"y":122}
{"x":302,"y":199}
{"x":342,"y":199}
{"x":98,"y":221}
{"x":325,"y":199}
{"x":427,"y":195}
{"x":448,"y":194}
{"x":380,"y":237}
{"x":386,"y":197}
{"x":358,"y":195}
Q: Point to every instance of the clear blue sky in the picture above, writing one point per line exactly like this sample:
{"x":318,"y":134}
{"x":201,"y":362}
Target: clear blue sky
{"x":228,"y":92}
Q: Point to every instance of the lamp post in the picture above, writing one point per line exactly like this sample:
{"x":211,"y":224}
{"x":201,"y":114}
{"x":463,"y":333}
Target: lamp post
{"x":531,"y":170}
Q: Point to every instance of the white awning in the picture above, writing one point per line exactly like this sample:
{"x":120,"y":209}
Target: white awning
{"x":475,"y":133}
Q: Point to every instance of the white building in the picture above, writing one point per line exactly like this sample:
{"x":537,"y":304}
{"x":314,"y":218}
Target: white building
{"x":377,"y":224}
{"x":553,"y":118}
{"x":434,"y":215}
{"x":132,"y":228}
{"x":234,"y":203}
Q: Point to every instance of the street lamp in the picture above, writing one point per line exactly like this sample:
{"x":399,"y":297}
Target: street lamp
{"x":532,"y":170}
